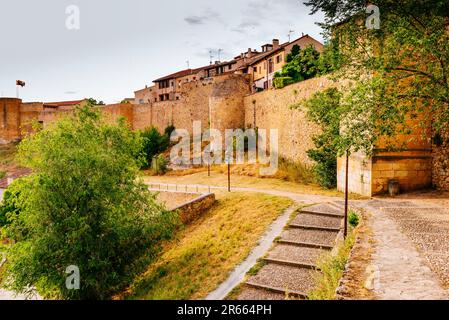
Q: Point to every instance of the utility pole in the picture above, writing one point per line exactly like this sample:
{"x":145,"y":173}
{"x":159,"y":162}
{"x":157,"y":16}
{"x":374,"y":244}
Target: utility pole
{"x":228,"y":162}
{"x":346,"y":194}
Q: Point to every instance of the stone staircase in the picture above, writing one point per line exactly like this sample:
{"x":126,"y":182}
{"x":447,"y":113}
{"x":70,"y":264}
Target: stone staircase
{"x":289,"y":267}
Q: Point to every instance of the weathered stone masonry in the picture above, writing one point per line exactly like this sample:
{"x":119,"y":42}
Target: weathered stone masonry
{"x":226,"y":102}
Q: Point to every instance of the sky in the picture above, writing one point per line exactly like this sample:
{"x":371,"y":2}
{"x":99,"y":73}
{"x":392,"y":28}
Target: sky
{"x":123,"y":45}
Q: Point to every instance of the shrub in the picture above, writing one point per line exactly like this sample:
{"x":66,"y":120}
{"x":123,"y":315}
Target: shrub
{"x":84,"y":206}
{"x":159,"y":165}
{"x":353,"y":219}
{"x":282,"y":82}
{"x":10,"y":205}
{"x":169,"y":130}
{"x":153,"y":144}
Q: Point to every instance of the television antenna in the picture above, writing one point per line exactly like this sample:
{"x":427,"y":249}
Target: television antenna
{"x":290,"y":35}
{"x":211,"y":56}
{"x":219,"y":54}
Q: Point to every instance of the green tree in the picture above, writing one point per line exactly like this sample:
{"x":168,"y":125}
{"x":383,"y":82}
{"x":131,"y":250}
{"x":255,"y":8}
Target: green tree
{"x":399,"y":71}
{"x":324,"y":109}
{"x":84,"y":206}
{"x":303,"y":65}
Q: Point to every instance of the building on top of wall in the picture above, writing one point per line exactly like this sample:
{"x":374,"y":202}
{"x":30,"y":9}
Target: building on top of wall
{"x":145,"y":95}
{"x":263,"y":67}
{"x":260,"y":65}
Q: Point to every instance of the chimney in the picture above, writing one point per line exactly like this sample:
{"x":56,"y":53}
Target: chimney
{"x":275,"y":43}
{"x":249,"y":50}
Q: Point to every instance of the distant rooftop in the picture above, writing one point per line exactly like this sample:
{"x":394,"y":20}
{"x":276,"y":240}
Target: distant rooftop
{"x":63,"y":103}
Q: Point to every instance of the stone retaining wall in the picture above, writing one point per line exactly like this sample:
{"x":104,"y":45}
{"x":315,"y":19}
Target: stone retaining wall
{"x":192,"y":210}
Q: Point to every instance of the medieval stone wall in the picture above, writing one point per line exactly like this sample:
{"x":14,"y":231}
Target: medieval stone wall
{"x":9,"y":119}
{"x":271,"y":110}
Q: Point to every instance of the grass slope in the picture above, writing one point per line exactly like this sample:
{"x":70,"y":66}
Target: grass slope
{"x":208,"y":250}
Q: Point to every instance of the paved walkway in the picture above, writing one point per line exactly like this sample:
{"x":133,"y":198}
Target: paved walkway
{"x":399,"y":271}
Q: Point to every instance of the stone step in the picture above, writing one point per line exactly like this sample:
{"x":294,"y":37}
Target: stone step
{"x":305,"y":255}
{"x":323,"y":209}
{"x":310,"y":227}
{"x":277,"y":290}
{"x":306,"y":244}
{"x":317,"y":220}
{"x":253,"y":293}
{"x":310,"y":236}
{"x":284,"y":279}
{"x":324,"y":214}
{"x":291,"y":263}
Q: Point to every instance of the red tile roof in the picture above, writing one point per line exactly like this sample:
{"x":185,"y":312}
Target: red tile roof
{"x":178,"y":74}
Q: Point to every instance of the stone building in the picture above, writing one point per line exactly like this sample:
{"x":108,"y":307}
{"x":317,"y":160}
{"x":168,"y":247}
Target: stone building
{"x":263,"y":67}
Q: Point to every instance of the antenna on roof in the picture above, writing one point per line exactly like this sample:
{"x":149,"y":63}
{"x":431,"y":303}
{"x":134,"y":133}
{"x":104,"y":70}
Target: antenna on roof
{"x":290,"y":35}
{"x":188,"y":64}
{"x":211,"y":56}
{"x":219,"y":53}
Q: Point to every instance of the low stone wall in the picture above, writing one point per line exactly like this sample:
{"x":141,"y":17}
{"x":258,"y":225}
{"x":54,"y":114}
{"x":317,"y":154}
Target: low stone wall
{"x":192,"y":210}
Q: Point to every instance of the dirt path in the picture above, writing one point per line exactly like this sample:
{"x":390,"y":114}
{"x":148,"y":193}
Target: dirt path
{"x":298,"y":197}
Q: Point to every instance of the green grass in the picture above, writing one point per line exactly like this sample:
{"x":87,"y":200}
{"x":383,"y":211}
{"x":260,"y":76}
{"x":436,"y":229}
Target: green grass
{"x":332,"y":268}
{"x":256,"y":268}
{"x":208,"y":250}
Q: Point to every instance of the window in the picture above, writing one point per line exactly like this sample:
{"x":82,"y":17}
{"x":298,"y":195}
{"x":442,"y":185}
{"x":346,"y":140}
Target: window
{"x":270,"y":66}
{"x":140,"y":101}
{"x":255,"y":69}
{"x":279,"y":59}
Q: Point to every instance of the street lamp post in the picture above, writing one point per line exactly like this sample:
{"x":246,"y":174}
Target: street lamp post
{"x":346,"y":195}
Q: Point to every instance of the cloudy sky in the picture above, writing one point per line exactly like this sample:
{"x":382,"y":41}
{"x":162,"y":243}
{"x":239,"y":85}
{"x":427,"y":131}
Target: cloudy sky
{"x":122,"y":45}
